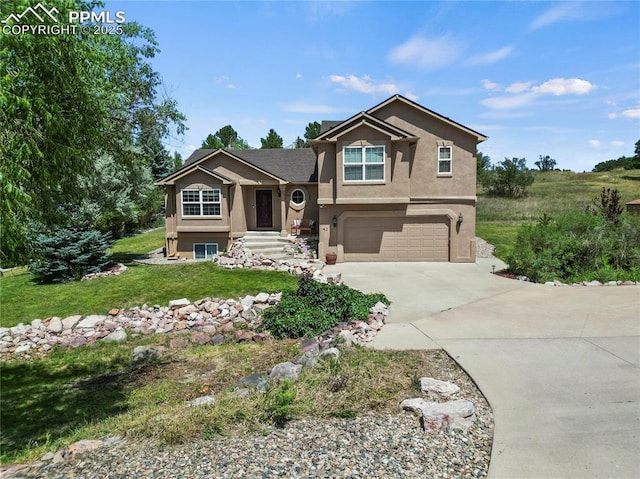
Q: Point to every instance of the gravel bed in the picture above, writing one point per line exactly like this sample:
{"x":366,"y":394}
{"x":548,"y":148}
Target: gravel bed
{"x":368,"y":446}
{"x":484,"y":249}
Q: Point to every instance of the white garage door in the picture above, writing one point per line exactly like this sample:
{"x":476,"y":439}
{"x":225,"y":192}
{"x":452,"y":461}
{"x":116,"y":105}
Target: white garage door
{"x":396,"y":239}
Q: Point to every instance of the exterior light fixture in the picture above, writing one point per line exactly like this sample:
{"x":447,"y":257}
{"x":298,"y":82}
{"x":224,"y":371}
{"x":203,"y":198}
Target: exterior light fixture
{"x":460,"y":218}
{"x":279,"y":191}
{"x":334,"y":222}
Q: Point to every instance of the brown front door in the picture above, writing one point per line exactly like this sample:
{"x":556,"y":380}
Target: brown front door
{"x":263,"y":209}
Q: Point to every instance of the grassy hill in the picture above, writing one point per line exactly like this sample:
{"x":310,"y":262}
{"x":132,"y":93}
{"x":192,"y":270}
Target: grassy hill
{"x":553,"y":193}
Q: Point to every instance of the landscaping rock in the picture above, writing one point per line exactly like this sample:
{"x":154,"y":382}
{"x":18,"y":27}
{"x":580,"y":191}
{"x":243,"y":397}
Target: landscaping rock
{"x":147,"y":353}
{"x":55,"y":325}
{"x":91,"y":321}
{"x":254,"y":381}
{"x":71,"y":321}
{"x":116,"y":336}
{"x":286,"y":370}
{"x":202,"y":401}
{"x":330,"y":353}
{"x":443,"y":388}
{"x":457,"y":414}
{"x":179,"y":303}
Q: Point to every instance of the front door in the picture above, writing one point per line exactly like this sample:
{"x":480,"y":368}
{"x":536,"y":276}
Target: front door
{"x":264,"y":209}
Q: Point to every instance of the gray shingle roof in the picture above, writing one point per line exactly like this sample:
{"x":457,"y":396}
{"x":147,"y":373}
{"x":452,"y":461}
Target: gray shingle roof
{"x":297,"y":165}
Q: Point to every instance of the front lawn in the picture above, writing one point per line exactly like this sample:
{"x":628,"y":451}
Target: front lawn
{"x":22,"y":300}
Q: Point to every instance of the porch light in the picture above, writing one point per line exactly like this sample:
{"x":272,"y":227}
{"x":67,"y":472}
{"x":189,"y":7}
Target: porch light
{"x":334,"y":222}
{"x":460,"y":218}
{"x":278,"y":191}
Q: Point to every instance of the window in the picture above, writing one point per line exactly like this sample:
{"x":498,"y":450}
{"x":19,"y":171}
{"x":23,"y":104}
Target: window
{"x":297,"y":196}
{"x":204,"y":250}
{"x":363,"y":163}
{"x":444,"y":160}
{"x":201,"y":202}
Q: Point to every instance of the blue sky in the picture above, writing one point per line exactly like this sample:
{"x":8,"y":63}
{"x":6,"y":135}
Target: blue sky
{"x":539,"y":78}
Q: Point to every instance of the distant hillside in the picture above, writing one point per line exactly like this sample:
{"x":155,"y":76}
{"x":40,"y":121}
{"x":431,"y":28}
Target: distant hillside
{"x":556,"y":192}
{"x":624,"y":162}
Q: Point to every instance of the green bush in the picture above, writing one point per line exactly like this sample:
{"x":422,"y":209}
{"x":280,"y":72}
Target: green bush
{"x":315,"y":307}
{"x":68,"y":255}
{"x":578,"y":247}
{"x":509,"y":178}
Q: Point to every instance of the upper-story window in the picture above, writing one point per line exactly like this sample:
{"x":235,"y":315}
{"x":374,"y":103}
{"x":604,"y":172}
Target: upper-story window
{"x":363,"y":163}
{"x":444,"y":160}
{"x":202,"y":202}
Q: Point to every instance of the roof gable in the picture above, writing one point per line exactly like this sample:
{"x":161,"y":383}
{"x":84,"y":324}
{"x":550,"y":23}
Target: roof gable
{"x":417,"y":106}
{"x":364,"y":118}
{"x":284,"y":165}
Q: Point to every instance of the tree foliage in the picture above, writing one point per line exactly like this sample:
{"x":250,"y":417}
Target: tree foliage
{"x":483,"y":165}
{"x":272,"y":140}
{"x":69,"y":254}
{"x":212,"y":142}
{"x":545,"y":163}
{"x":509,"y":178}
{"x":311,"y":131}
{"x":225,"y":137}
{"x":624,"y":162}
{"x":66,"y":100}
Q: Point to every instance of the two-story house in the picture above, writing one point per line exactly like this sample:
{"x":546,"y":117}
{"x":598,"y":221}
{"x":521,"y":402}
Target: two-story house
{"x":394,"y":183}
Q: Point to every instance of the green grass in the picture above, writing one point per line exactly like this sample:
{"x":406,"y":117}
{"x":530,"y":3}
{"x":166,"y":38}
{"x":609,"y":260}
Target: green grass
{"x":557,"y":192}
{"x":22,"y":300}
{"x":501,"y":235}
{"x":553,"y":193}
{"x":94,"y":392}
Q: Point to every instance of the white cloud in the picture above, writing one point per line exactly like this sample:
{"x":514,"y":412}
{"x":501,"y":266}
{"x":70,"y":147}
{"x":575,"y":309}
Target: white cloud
{"x":298,"y":75}
{"x":426,"y":53}
{"x":411,"y":96}
{"x":507,"y":102}
{"x":302,"y":107}
{"x":518,"y":87}
{"x":364,"y":85}
{"x":612,"y":116}
{"x":564,"y":11}
{"x":231,"y":86}
{"x":522,"y":94}
{"x":595,"y":143}
{"x":633,"y":113}
{"x":565,"y":86}
{"x":617,"y":143}
{"x":489,"y":85}
{"x":490,"y":57}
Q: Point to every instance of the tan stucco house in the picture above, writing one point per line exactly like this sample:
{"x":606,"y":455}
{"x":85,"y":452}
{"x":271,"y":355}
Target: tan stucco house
{"x":394,"y":183}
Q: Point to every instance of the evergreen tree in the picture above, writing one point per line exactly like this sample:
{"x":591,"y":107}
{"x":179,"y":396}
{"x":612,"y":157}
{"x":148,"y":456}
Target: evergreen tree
{"x":273,"y":140}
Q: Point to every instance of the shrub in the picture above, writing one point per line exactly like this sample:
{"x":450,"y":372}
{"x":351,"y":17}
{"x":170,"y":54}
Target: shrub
{"x":68,"y":255}
{"x":509,"y":178}
{"x":578,"y":247}
{"x":315,"y":307}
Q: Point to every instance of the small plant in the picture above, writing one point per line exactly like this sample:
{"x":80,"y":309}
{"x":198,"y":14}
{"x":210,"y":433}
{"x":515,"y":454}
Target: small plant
{"x":608,"y":205}
{"x":278,"y":404}
{"x":315,"y":307}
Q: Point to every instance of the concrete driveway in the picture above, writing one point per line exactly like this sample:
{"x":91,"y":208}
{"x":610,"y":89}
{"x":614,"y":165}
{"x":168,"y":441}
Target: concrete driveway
{"x":559,"y":366}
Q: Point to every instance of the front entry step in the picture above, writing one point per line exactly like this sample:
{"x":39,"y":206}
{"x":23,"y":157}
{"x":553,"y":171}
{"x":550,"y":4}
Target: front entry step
{"x":269,"y":243}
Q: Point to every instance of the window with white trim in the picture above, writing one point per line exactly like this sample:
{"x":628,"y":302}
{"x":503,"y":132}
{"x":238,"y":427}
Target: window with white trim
{"x":363,"y":163}
{"x":205,"y":250}
{"x":202,"y":202}
{"x":444,"y":160}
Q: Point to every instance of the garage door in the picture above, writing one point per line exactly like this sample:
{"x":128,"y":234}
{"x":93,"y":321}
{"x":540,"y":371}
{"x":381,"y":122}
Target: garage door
{"x":396,"y":239}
